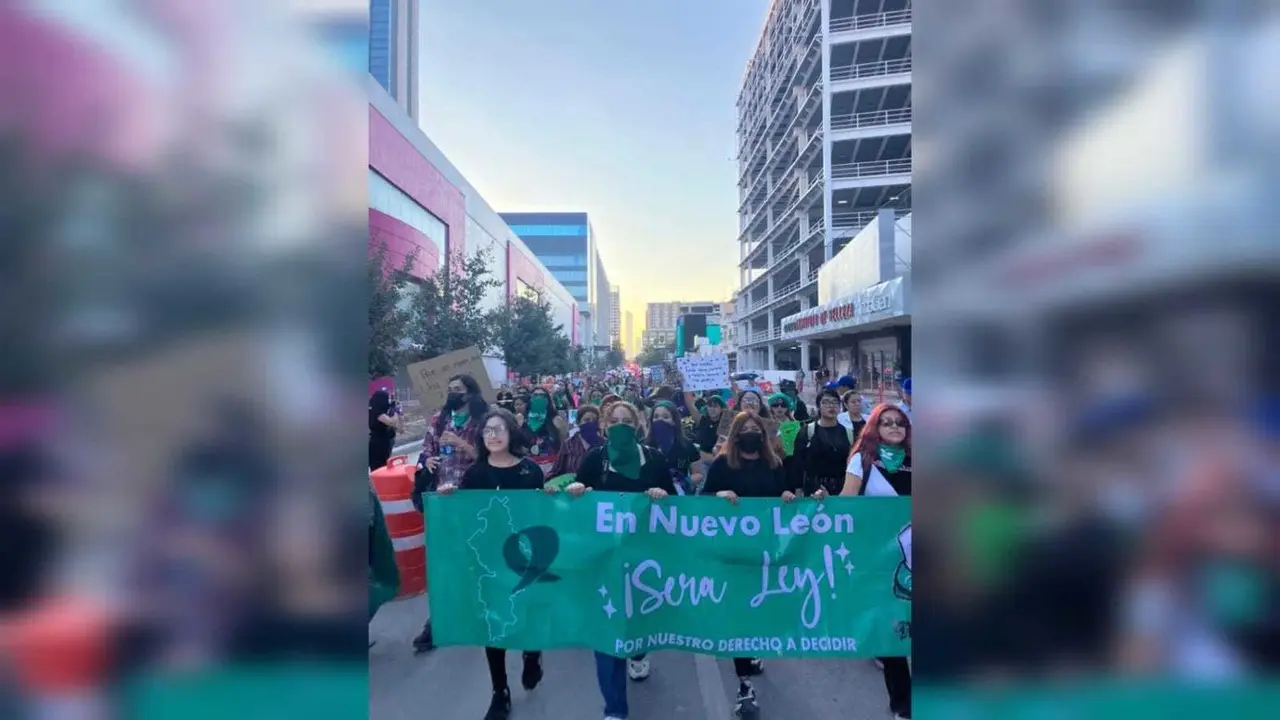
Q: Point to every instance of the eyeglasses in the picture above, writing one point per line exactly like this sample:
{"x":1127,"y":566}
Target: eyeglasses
{"x":495,"y":431}
{"x":830,"y":403}
{"x":892,"y":423}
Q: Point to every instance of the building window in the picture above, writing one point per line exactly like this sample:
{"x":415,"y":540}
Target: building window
{"x":391,"y":200}
{"x":550,"y":230}
{"x":567,"y":261}
{"x":569,"y":275}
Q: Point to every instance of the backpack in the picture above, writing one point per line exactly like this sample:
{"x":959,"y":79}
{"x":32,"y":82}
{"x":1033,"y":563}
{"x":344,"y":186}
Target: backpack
{"x":808,"y":431}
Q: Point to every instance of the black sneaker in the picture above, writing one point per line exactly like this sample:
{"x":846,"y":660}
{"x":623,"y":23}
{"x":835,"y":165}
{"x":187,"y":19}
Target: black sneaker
{"x":424,"y":643}
{"x":499,"y":706}
{"x":755,"y":668}
{"x":532,"y":674}
{"x":746,"y":702}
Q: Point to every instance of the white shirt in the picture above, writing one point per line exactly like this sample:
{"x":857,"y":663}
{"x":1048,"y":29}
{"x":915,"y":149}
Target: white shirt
{"x":877,"y":485}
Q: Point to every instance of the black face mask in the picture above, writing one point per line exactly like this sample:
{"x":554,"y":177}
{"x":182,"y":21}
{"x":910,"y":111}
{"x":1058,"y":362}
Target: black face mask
{"x":751,"y":442}
{"x":454,"y":401}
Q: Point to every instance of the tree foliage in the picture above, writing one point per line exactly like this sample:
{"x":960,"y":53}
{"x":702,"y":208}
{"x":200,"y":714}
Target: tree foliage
{"x":389,"y":317}
{"x":655,"y":354}
{"x":615,"y":357}
{"x":447,"y":311}
{"x":530,"y":341}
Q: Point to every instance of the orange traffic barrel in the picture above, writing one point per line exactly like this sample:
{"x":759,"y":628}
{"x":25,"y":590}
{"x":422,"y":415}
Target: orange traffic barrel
{"x":61,"y":646}
{"x":393,"y":485}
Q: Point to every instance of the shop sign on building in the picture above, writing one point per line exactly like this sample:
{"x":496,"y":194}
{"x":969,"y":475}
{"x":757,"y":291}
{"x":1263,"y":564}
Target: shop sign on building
{"x":878,"y":302}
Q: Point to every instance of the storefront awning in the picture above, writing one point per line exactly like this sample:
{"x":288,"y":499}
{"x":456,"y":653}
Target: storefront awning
{"x":872,"y":305}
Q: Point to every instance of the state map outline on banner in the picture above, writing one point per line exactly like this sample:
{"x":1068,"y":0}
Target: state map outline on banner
{"x":490,"y":616}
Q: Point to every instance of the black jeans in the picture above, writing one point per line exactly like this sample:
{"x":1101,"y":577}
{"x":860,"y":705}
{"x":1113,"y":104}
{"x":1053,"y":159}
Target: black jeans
{"x":742,"y":666}
{"x":897,"y":681}
{"x":497,"y":660}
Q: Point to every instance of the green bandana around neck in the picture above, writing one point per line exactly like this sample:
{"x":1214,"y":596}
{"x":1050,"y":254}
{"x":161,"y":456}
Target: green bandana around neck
{"x":537,"y":412}
{"x":623,"y":450}
{"x":460,"y":418}
{"x":892,"y":457}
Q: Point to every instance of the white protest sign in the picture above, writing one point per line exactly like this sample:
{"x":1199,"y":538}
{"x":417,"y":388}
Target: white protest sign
{"x":704,"y":372}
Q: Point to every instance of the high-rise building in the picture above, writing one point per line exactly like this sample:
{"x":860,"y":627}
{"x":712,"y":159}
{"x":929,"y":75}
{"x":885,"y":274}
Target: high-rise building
{"x":394,"y":51}
{"x":824,"y":141}
{"x":566,"y":245}
{"x":629,"y":335}
{"x":615,"y":317}
{"x":660,"y":319}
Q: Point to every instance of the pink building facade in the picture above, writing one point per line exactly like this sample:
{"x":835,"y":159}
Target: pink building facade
{"x":419,"y":201}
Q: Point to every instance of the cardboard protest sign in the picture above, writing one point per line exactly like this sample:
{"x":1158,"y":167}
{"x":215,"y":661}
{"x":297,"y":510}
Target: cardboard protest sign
{"x":704,"y":372}
{"x":430,"y":378}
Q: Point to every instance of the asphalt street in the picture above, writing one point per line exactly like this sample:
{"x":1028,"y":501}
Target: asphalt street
{"x":453,"y":683}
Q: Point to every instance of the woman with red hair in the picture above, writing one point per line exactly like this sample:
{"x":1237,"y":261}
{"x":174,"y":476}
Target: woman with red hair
{"x":880,"y":465}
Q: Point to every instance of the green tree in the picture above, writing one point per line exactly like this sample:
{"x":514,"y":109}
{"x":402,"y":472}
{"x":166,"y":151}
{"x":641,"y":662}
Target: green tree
{"x":655,"y":354}
{"x":447,"y":311}
{"x":389,"y":318}
{"x":530,"y":341}
{"x":615,"y":357}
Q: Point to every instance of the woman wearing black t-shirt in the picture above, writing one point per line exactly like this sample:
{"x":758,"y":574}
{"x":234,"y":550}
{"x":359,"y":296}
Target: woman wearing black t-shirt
{"x":622,"y":465}
{"x":667,"y":435}
{"x":822,"y":449}
{"x":382,"y":428}
{"x":881,"y":466}
{"x":750,"y":467}
{"x":503,"y":464}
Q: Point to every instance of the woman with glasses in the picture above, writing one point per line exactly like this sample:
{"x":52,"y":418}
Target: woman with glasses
{"x":748,"y":466}
{"x":822,"y":449}
{"x":622,"y":465}
{"x":503,"y":464}
{"x":881,"y":466}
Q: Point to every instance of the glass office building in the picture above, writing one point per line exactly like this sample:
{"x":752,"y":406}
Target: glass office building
{"x":566,"y":245}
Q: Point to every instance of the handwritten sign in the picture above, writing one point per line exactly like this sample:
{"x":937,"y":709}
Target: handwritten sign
{"x":787,"y":432}
{"x":430,"y":378}
{"x":704,"y":372}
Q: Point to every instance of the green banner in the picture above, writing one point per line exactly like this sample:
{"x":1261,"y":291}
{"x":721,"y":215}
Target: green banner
{"x":622,"y":574}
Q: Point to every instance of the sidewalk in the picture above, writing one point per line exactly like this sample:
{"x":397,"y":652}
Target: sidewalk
{"x":388,"y":627}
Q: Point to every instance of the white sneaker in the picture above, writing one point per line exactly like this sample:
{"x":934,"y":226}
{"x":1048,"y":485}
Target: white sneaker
{"x":638,"y":669}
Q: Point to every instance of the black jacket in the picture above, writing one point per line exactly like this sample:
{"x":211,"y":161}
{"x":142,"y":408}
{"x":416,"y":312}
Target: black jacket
{"x":654,"y":473}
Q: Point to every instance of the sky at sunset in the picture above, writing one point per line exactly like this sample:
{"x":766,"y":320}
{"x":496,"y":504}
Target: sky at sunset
{"x":624,"y":110}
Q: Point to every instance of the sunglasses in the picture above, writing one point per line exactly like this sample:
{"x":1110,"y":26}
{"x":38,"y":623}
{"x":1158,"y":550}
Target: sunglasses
{"x":892,"y":423}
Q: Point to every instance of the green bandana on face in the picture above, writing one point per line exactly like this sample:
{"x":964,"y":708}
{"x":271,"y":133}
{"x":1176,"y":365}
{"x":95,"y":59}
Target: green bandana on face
{"x":459,"y":418}
{"x":892,"y":457}
{"x":623,"y":450}
{"x":537,"y":412}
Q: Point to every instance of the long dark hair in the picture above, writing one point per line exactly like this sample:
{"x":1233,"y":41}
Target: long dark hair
{"x":681,"y":446}
{"x":518,"y":442}
{"x":477,"y":406}
{"x":552,"y":413}
{"x":733,"y":454}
